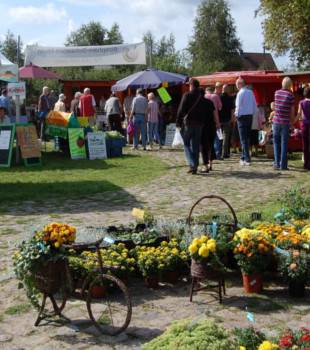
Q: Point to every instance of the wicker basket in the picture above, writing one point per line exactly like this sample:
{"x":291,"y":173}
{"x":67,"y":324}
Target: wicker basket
{"x":204,"y":271}
{"x":269,"y":151}
{"x":51,"y":277}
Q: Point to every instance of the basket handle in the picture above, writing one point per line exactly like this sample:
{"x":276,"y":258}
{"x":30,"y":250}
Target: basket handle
{"x":210,"y":196}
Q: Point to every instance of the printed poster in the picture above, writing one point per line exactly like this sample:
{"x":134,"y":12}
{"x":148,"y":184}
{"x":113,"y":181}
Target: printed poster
{"x":170,"y":131}
{"x":5,"y":139}
{"x":164,"y":95}
{"x":96,"y":145}
{"x":77,"y":143}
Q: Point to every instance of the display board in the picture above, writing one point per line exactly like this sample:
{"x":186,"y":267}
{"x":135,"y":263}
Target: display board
{"x":96,"y":145}
{"x":28,"y":142}
{"x":77,"y":143}
{"x":7,"y":134}
{"x":170,"y":131}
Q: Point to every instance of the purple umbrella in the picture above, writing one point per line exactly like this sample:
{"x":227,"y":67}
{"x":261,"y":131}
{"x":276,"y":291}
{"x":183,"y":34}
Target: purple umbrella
{"x":34,"y":72}
{"x":149,"y":79}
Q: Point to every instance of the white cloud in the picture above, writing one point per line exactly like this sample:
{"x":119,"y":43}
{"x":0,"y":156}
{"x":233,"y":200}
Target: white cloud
{"x":44,"y":14}
{"x":71,"y":25}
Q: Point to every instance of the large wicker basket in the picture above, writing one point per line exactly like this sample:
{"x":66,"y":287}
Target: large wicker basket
{"x":205,"y":271}
{"x":51,"y":276}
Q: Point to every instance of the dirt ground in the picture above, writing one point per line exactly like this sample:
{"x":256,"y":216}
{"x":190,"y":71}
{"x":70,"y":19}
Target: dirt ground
{"x":153,"y":310}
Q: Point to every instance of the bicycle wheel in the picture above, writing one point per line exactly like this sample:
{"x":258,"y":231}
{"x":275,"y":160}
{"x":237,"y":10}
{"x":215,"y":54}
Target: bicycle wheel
{"x":111,"y":311}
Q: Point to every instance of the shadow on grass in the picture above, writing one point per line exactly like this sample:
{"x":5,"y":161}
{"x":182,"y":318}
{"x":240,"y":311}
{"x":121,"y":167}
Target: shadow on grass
{"x":77,"y":197}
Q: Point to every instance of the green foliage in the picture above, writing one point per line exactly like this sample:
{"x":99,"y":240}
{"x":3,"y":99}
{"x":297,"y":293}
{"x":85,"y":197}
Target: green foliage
{"x":286,"y":26}
{"x":17,"y":309}
{"x":8,"y":48}
{"x":250,"y":338}
{"x":192,"y":335}
{"x":295,"y":266}
{"x":161,"y":54}
{"x":214,"y":45}
{"x":296,"y":203}
{"x":94,"y":33}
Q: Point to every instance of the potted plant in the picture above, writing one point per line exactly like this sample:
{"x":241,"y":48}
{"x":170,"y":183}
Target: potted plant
{"x":172,"y":260}
{"x":253,"y":251}
{"x":205,"y":262}
{"x":40,"y":262}
{"x":149,"y":265}
{"x":294,"y":267}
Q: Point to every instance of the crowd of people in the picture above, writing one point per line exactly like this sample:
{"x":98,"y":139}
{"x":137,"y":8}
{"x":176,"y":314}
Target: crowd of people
{"x":209,"y":119}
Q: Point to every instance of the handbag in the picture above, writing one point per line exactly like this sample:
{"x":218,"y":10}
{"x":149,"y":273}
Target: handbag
{"x":130,"y":128}
{"x":190,"y":110}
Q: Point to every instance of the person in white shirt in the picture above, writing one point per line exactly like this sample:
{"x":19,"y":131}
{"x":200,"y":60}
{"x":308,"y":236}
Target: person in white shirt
{"x":245,"y":109}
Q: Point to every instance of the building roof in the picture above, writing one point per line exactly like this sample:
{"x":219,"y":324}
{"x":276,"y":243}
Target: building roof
{"x":250,"y":77}
{"x":257,"y":61}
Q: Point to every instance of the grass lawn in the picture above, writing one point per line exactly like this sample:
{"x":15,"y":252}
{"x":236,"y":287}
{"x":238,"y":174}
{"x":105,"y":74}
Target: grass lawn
{"x":60,"y":177}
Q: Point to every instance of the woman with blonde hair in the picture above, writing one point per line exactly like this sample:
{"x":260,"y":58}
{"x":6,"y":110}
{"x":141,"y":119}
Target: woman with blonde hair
{"x":60,"y":104}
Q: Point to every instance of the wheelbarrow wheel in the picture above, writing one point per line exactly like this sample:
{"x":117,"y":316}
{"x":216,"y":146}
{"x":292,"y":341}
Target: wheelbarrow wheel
{"x":109,"y":304}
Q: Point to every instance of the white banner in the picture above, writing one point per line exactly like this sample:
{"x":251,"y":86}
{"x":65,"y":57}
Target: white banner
{"x":77,"y":56}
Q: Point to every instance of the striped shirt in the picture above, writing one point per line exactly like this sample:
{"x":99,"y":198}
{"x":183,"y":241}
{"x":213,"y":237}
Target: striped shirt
{"x":283,"y":100}
{"x":152,"y":112}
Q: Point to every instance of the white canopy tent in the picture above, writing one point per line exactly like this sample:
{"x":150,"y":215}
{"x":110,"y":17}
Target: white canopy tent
{"x":8,"y":70}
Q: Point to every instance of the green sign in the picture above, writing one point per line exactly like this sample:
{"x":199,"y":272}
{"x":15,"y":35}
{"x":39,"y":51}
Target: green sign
{"x":77,"y":143}
{"x":164,"y":95}
{"x":7,"y":134}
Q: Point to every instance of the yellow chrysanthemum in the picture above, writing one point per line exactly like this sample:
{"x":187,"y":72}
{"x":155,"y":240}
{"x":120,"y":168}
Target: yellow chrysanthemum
{"x":138,"y":213}
{"x":203,"y":251}
{"x":267,"y":345}
{"x":211,"y":245}
{"x":242,"y":348}
{"x":193,"y":248}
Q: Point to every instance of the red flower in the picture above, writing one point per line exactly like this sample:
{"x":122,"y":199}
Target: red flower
{"x":305,"y":337}
{"x":286,"y":341}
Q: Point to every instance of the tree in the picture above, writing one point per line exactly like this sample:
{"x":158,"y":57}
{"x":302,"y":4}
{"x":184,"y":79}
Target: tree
{"x":286,"y":28}
{"x":93,"y":34}
{"x":162,"y":54}
{"x":214,"y":45}
{"x":9,"y":48}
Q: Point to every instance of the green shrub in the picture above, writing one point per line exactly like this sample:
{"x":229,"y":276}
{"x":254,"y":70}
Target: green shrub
{"x":192,"y":335}
{"x":249,"y":338}
{"x":296,"y":203}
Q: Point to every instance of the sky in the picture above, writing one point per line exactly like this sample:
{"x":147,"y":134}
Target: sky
{"x":49,"y":23}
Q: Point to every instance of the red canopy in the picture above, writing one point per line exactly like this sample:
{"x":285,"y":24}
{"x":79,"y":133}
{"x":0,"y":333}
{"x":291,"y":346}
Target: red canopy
{"x":250,"y":77}
{"x":34,"y":72}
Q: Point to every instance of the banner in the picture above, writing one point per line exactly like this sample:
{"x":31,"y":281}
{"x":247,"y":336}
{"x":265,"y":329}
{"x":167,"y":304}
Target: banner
{"x":28,"y":141}
{"x":78,"y":56}
{"x":17,"y":89}
{"x":96,"y":145}
{"x":77,"y":143}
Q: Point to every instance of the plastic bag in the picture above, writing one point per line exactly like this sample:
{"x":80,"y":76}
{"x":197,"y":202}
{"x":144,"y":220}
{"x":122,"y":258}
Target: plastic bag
{"x":130,"y":128}
{"x":219,"y":134}
{"x":177,"y":140}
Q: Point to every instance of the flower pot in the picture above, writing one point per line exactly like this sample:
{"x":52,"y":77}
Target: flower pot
{"x":151,"y":282}
{"x":98,"y":291}
{"x":296,"y":289}
{"x":252,"y":283}
{"x":170,"y":276}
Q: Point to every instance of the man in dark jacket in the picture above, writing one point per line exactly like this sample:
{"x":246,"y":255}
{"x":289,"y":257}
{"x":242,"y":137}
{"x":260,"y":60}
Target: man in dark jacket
{"x":191,"y":116}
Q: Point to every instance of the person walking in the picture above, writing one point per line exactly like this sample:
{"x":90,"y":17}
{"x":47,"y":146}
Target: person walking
{"x":113,"y":110}
{"x":283,"y":117}
{"x":191,"y":119}
{"x":152,"y":120}
{"x":87,"y":106}
{"x":226,"y":120}
{"x":245,"y":109}
{"x":139,"y":116}
{"x":127,"y":106}
{"x":304,"y":113}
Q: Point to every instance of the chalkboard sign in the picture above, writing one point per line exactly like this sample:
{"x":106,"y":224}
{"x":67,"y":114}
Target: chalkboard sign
{"x":28,"y":141}
{"x":170,"y":131}
{"x":7,"y":134}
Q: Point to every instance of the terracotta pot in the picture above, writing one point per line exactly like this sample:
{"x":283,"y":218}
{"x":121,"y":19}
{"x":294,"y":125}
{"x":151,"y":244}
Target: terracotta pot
{"x":296,"y":289}
{"x":151,"y":282}
{"x":170,"y":276}
{"x":98,"y":291}
{"x":253,"y":283}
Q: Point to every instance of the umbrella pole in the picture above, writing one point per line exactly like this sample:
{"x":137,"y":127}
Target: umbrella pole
{"x":17,"y":109}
